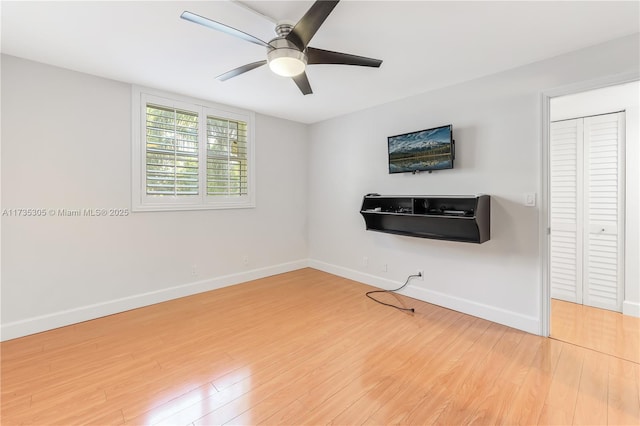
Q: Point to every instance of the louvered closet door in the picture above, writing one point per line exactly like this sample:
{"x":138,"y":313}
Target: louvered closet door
{"x":604,"y":207}
{"x":566,"y":210}
{"x":586,"y":210}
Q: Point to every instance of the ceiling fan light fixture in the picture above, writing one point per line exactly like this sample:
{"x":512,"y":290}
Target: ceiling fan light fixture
{"x":287,"y":62}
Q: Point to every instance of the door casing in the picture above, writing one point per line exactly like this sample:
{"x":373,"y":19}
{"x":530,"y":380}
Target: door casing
{"x":544,"y":219}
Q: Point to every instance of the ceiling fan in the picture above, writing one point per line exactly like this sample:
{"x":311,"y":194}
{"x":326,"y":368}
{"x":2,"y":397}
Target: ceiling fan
{"x":289,"y":53}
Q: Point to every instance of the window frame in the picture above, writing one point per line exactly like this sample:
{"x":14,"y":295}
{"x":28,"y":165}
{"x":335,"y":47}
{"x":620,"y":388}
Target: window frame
{"x":140,"y":200}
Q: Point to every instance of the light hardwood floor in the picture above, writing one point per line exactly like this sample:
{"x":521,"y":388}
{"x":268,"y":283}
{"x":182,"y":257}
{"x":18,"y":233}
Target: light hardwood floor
{"x":598,"y":329}
{"x":307,"y":348}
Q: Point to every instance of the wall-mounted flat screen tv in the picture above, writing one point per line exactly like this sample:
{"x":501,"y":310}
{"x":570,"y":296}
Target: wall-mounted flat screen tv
{"x":424,"y":150}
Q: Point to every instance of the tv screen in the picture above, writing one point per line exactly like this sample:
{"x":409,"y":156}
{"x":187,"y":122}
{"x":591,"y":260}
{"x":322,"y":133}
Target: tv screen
{"x":424,"y":150}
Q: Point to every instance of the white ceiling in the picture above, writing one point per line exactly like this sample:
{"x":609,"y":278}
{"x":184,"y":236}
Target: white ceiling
{"x":424,"y":45}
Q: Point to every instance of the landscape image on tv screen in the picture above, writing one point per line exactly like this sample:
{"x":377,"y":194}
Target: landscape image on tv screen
{"x":423,"y":150}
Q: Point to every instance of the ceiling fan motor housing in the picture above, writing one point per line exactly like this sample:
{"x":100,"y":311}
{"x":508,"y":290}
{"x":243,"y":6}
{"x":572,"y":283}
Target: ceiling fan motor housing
{"x":284,"y":28}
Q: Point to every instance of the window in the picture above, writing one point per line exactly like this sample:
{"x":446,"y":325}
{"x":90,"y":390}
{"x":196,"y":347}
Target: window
{"x":226,"y":157}
{"x":171,"y":151}
{"x":190,"y":155}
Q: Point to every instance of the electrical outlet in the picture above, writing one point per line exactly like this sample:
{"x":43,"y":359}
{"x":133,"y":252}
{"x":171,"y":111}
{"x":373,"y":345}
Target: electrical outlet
{"x":365,"y":261}
{"x":245,"y":260}
{"x":384,"y":267}
{"x":421,"y":273}
{"x":530,"y":199}
{"x":194,"y":270}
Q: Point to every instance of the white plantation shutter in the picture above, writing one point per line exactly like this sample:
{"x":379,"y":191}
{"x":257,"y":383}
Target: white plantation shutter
{"x":586,"y":210}
{"x":565,"y":210}
{"x":604,"y":137}
{"x":226,"y":157}
{"x":171,"y":151}
{"x":189,"y":154}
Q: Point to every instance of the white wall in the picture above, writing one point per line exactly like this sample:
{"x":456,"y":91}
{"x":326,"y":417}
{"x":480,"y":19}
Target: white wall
{"x":612,"y":99}
{"x":497,"y":127}
{"x":66,"y":144}
{"x":66,"y":140}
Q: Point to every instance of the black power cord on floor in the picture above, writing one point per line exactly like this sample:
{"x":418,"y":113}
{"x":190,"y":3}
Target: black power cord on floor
{"x":369,"y":293}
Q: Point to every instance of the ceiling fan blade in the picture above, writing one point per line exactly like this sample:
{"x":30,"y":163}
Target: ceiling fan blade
{"x":305,"y":29}
{"x":240,"y":70}
{"x":303,"y":83}
{"x":192,"y":17}
{"x":319,"y":56}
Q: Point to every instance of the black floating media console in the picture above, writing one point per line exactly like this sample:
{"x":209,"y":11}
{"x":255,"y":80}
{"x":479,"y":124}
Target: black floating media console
{"x":454,"y":218}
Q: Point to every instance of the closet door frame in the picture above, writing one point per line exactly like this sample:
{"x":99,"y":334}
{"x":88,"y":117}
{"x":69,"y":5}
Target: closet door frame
{"x":544,"y":220}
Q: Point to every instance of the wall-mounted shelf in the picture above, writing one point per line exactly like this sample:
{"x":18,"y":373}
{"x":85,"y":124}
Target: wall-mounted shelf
{"x":454,"y":218}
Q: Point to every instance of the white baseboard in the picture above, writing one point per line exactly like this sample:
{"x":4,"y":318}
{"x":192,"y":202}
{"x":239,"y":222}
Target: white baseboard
{"x":38,"y":324}
{"x":631,"y":308}
{"x":491,"y":313}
